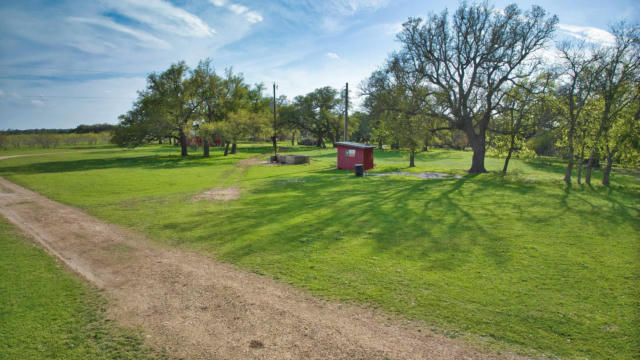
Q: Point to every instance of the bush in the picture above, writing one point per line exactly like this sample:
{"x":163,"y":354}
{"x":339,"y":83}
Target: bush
{"x":307,"y":142}
{"x":542,"y":144}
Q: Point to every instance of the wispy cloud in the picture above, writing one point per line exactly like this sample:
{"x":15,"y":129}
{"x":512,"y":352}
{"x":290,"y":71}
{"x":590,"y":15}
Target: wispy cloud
{"x":250,"y":15}
{"x":393,"y":29}
{"x":37,"y":102}
{"x":163,"y":16}
{"x":588,"y":33}
{"x":348,"y":7}
{"x":333,"y":55}
{"x":146,"y":40}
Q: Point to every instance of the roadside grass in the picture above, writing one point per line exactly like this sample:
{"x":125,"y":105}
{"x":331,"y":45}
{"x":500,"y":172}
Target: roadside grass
{"x":48,"y":313}
{"x":521,"y":261}
{"x":65,"y":148}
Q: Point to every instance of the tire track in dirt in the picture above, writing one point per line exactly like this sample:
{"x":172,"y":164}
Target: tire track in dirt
{"x":196,"y":307}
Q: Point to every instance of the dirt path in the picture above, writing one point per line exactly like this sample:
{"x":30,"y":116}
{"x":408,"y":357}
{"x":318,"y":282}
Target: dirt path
{"x":196,"y":307}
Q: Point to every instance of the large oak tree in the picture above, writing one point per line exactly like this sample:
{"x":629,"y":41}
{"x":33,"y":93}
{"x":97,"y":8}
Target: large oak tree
{"x":471,"y":59}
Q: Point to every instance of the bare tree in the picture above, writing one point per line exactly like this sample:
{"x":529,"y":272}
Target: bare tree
{"x":471,"y":61}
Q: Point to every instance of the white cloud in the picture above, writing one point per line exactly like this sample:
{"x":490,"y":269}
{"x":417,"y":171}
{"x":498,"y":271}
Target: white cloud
{"x":588,"y":33}
{"x":550,"y":56}
{"x":163,"y":16}
{"x":253,"y":17}
{"x":238,"y":9}
{"x":333,"y":55}
{"x":37,"y":102}
{"x":393,"y":29}
{"x":250,"y":15}
{"x":146,"y":39}
{"x":348,"y":7}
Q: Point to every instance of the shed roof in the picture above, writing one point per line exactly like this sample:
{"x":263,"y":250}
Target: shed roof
{"x":355,"y":145}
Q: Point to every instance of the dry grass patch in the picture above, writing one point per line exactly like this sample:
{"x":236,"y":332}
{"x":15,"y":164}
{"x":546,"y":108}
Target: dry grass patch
{"x":219,"y":194}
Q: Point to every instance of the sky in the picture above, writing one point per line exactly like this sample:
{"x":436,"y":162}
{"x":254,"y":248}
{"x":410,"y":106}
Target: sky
{"x":65,"y":63}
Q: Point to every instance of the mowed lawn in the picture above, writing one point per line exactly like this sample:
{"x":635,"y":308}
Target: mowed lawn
{"x":518,"y":262}
{"x":48,"y":313}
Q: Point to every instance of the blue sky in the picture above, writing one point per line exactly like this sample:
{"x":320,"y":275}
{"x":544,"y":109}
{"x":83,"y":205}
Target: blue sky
{"x":64,"y":63}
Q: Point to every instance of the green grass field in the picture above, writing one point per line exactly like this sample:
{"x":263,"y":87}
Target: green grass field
{"x":48,"y":313}
{"x":522,"y":261}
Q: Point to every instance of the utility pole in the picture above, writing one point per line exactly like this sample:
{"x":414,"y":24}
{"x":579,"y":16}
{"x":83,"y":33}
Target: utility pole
{"x":275,"y":127}
{"x":346,"y":111}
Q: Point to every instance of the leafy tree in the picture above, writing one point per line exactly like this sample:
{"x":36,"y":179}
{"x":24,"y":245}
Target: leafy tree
{"x":243,"y":124}
{"x":585,"y":129}
{"x":317,"y":113}
{"x":619,"y":66}
{"x":519,"y":109}
{"x":579,"y":73}
{"x":470,"y":61}
{"x":173,"y":92}
{"x":145,"y":122}
{"x":210,"y":89}
{"x":405,"y":100}
{"x":363,"y":127}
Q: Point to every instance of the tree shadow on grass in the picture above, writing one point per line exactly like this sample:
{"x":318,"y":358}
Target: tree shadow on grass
{"x":416,"y":220}
{"x":151,"y":162}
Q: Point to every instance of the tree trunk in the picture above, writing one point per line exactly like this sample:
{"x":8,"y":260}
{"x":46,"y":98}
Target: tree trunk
{"x":274,"y":140}
{"x":587,"y":174}
{"x":332,"y":139}
{"x":293,"y":138}
{"x":425,"y":146}
{"x":479,"y":150}
{"x":506,"y":161}
{"x":226,"y":148}
{"x":379,"y":144}
{"x":183,"y":144}
{"x":234,"y":148}
{"x":412,"y":154}
{"x":579,"y":177}
{"x":607,"y":170}
{"x":159,"y":141}
{"x":205,"y":148}
{"x":567,"y":174}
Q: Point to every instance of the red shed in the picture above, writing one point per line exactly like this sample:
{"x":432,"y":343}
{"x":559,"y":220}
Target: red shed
{"x":350,"y":154}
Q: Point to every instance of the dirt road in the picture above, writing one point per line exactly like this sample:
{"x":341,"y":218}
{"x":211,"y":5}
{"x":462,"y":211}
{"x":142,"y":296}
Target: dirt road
{"x":196,"y":307}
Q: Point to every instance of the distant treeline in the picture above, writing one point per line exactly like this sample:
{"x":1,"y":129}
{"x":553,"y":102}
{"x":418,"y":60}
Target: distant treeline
{"x":49,"y":140}
{"x":80,"y":129}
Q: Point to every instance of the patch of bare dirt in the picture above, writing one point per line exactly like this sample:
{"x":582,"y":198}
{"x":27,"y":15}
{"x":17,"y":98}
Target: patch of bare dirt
{"x":220,"y":194}
{"x":254,"y":160}
{"x":198,"y":308}
{"x":423,"y":175}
